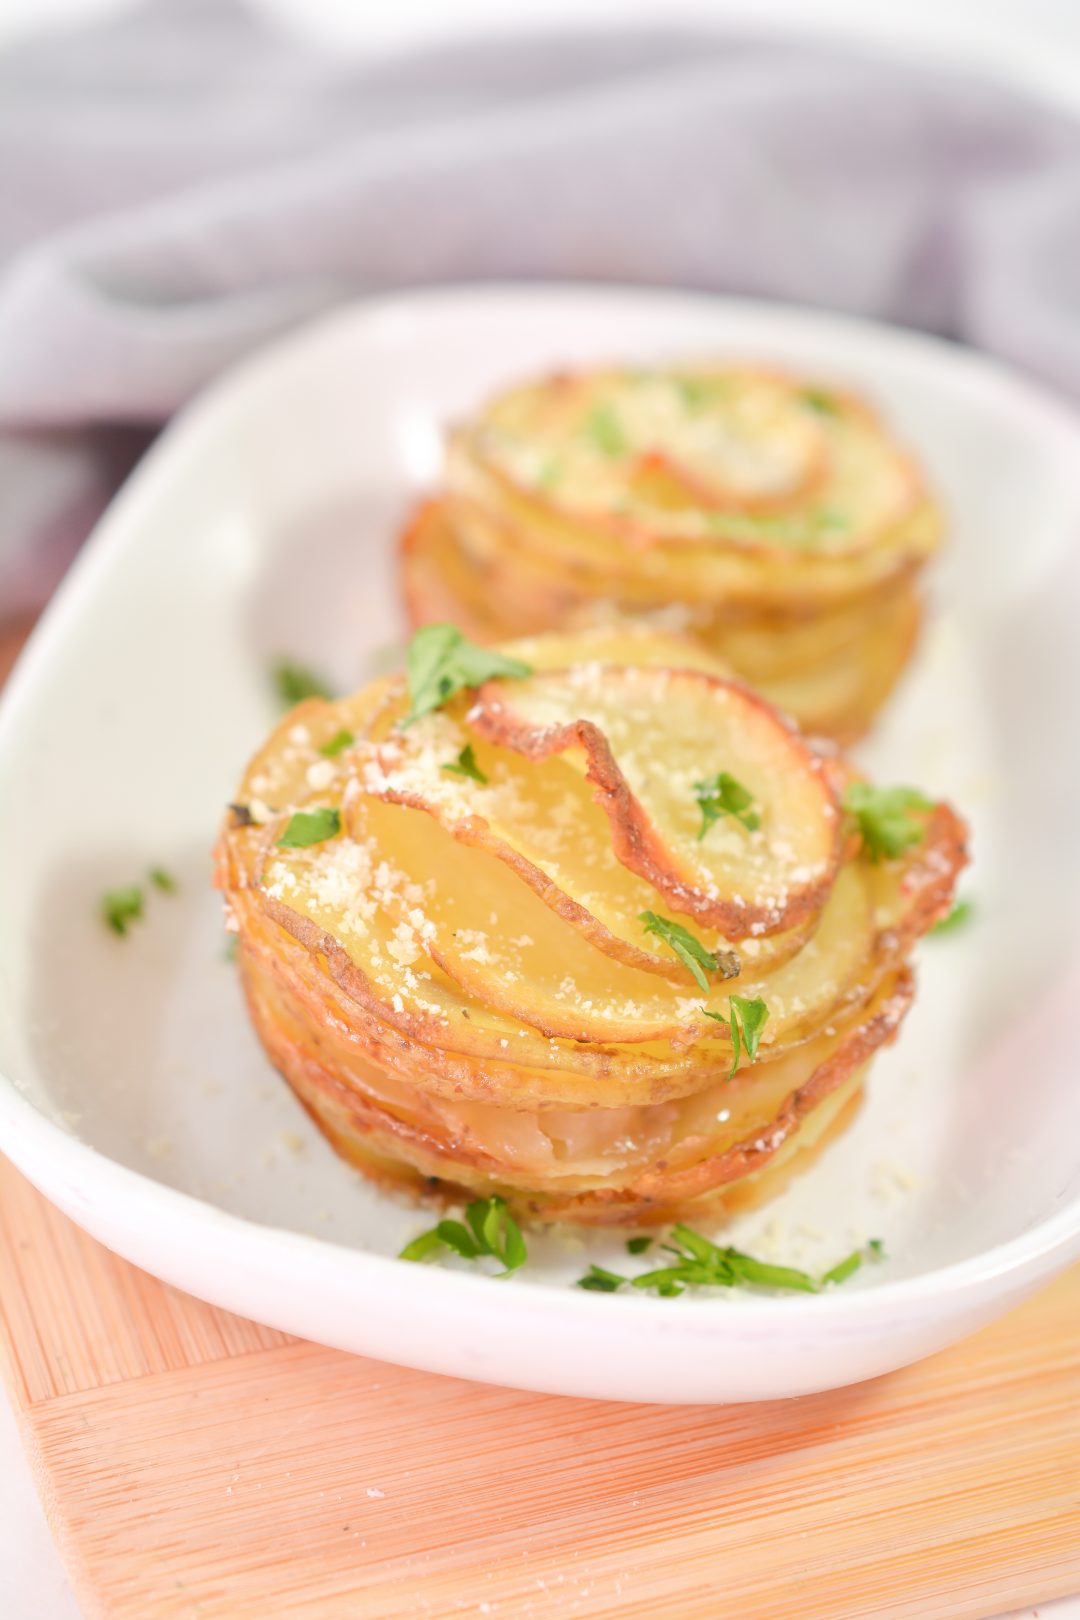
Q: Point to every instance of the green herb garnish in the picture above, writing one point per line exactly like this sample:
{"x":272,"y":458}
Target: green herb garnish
{"x":441,"y":661}
{"x":723,"y":795}
{"x":803,"y":530}
{"x":847,"y":1268}
{"x":466,"y":766}
{"x":887,"y":818}
{"x":698,"y":392}
{"x":163,"y":880}
{"x":698,"y":1263}
{"x":308,"y":827}
{"x":690,"y":951}
{"x":230,"y":948}
{"x":638,"y":1245}
{"x":823,"y":403}
{"x":958,"y":917}
{"x":488,"y":1230}
{"x":550,"y":475}
{"x":293,"y":683}
{"x":121,"y":907}
{"x":604,"y":430}
{"x":748,"y":1018}
{"x":338,"y":743}
{"x":597,"y":1280}
{"x":693,"y":391}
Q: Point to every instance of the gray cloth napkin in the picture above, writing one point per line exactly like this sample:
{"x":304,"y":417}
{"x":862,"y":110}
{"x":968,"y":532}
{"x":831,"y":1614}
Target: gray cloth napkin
{"x":182,"y":183}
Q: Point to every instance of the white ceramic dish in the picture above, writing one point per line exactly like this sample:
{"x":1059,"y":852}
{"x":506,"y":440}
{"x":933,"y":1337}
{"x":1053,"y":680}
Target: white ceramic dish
{"x":136,"y":1097}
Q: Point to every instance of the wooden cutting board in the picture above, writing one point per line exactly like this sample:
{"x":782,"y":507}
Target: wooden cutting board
{"x":195,"y":1466}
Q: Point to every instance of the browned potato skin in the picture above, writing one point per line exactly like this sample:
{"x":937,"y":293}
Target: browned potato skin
{"x":835,"y":693}
{"x":417,"y":1156}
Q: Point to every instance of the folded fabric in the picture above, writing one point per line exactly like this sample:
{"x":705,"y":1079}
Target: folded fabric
{"x":183,"y":182}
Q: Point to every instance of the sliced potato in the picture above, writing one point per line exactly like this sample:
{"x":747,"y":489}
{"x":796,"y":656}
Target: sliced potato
{"x":541,"y":819}
{"x":644,"y":739}
{"x":605,"y":1165}
{"x":830,"y":666}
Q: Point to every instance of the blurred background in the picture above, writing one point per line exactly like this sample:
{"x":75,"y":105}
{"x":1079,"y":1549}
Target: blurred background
{"x":183,"y":179}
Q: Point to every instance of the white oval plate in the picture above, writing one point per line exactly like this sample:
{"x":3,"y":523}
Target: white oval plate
{"x":136,"y":1097}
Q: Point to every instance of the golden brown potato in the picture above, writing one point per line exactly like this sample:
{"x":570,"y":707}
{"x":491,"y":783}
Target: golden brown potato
{"x":776,"y":523}
{"x":598,"y":934}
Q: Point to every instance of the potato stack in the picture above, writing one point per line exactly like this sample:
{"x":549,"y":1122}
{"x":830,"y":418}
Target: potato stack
{"x":774,"y":520}
{"x":577,"y":921}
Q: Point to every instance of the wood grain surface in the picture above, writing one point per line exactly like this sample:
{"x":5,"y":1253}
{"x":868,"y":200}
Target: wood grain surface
{"x":198,"y":1467}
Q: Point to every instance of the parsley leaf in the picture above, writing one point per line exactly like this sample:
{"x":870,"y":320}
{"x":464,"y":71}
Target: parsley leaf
{"x":604,"y":431}
{"x":337,"y":743}
{"x":488,"y":1229}
{"x":441,"y":662}
{"x":723,"y":795}
{"x":466,"y":766}
{"x":163,"y":880}
{"x":230,"y":947}
{"x":597,"y":1280}
{"x":690,"y":951}
{"x":887,"y":818}
{"x":308,"y":827}
{"x":958,"y":917}
{"x":550,"y":475}
{"x":638,"y":1245}
{"x":293,"y":683}
{"x":748,"y":1018}
{"x":699,"y":1263}
{"x":121,"y":907}
{"x":821,"y":402}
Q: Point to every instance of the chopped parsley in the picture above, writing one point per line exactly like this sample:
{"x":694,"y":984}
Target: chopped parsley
{"x":638,"y":1245}
{"x":690,"y":951}
{"x":848,"y":1267}
{"x":337,"y":743}
{"x":230,"y":948}
{"x":441,"y":662}
{"x":466,"y":766}
{"x":698,"y":1263}
{"x":723,"y":795}
{"x":293,"y":683}
{"x":488,"y":1230}
{"x":122,"y":907}
{"x":597,"y":1280}
{"x":604,"y":430}
{"x":823,"y":403}
{"x":958,"y":917}
{"x":887,"y":818}
{"x":748,"y":1018}
{"x":550,"y":475}
{"x":308,"y":827}
{"x":693,"y":391}
{"x":806,"y":528}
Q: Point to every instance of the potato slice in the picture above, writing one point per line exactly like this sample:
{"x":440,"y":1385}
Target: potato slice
{"x":830,"y":668}
{"x":644,"y":738}
{"x":540,"y":817}
{"x":498,"y":940}
{"x":603,"y":1164}
{"x":737,"y":457}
